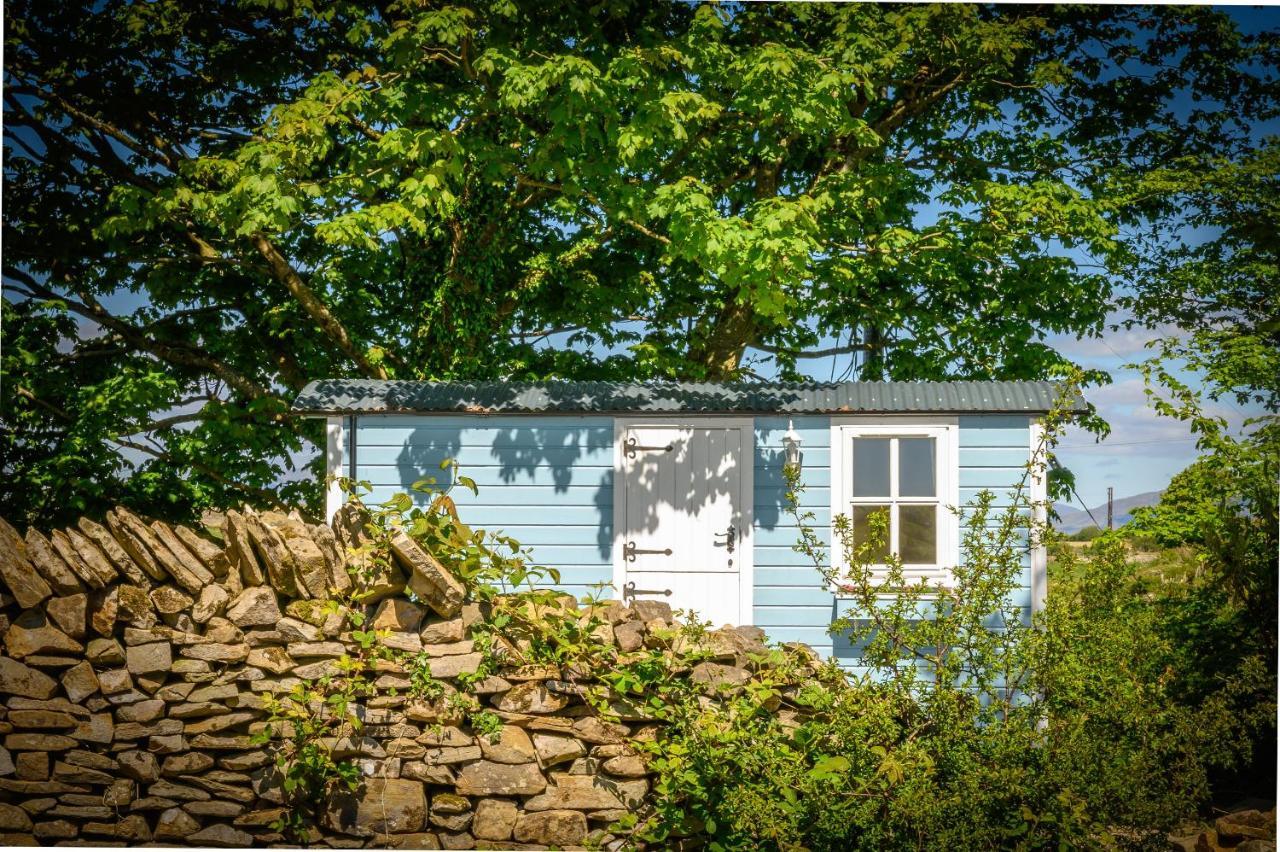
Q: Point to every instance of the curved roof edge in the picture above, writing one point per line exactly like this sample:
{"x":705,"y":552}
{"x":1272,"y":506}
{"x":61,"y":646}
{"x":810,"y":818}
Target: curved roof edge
{"x":368,"y":396}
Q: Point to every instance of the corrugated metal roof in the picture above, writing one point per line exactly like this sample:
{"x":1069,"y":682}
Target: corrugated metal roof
{"x":363,"y":396}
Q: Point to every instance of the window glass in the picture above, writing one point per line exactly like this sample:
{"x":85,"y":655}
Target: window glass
{"x":917,"y":466}
{"x":918,"y":534}
{"x":871,"y":467}
{"x":862,"y":530}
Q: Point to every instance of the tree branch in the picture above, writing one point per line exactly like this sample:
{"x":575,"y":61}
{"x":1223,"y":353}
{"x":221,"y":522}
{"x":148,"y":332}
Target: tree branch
{"x":316,"y":309}
{"x":174,"y":352}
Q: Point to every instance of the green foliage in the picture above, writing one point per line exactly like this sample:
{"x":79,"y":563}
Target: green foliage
{"x":304,"y":724}
{"x":1086,"y":533}
{"x":208,"y":204}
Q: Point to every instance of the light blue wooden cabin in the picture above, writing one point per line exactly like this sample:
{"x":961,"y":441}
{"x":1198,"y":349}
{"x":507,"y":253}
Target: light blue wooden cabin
{"x":676,"y":491}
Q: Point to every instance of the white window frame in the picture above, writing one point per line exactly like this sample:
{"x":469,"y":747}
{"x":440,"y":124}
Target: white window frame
{"x":946,"y":433}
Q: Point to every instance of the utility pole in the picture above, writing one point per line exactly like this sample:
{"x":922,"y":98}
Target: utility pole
{"x":1111,"y":493}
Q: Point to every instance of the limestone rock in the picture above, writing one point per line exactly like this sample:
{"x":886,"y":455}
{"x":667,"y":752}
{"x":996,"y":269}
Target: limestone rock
{"x":486,"y":778}
{"x":107,"y":543}
{"x":175,"y":824}
{"x":17,"y":572}
{"x":33,"y":634}
{"x":138,"y":541}
{"x":648,"y":610}
{"x":91,"y":555}
{"x":143,"y":711}
{"x":295,"y":630}
{"x":555,"y":749}
{"x":145,"y":659}
{"x":240,"y":551}
{"x":221,"y":835}
{"x":1245,"y":825}
{"x":428,"y":579}
{"x":324,"y":538}
{"x":98,"y":728}
{"x":104,"y":652}
{"x":309,"y":564}
{"x":397,"y":615}
{"x":170,"y":601}
{"x":33,"y":766}
{"x":212,"y":601}
{"x":574,"y":792}
{"x":531,"y":697}
{"x":513,"y":747}
{"x":629,"y":635}
{"x":626,"y":766}
{"x":181,"y":564}
{"x":13,"y":818}
{"x":716,"y":676}
{"x":304,"y":650}
{"x":64,"y":547}
{"x":268,"y":544}
{"x":139,"y":765}
{"x":70,"y":614}
{"x":254,"y":607}
{"x":134,"y":607}
{"x":38,"y":742}
{"x":41,"y":719}
{"x":446,"y":667}
{"x":64,"y":578}
{"x":80,"y":682}
{"x":593,"y":729}
{"x":273,"y":659}
{"x":380,"y":806}
{"x":115,"y":681}
{"x":206,"y":551}
{"x":494,"y":819}
{"x":442,"y":632}
{"x":552,"y":828}
{"x":104,"y":610}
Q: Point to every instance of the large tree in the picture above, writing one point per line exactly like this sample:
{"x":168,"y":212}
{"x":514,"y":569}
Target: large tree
{"x":208,"y":204}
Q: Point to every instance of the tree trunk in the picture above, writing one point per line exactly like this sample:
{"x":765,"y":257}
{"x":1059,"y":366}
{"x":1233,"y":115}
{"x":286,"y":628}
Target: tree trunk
{"x":718,"y":352}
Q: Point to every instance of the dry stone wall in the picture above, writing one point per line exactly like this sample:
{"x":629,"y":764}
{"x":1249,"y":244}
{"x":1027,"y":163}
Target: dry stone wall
{"x":139,"y":660}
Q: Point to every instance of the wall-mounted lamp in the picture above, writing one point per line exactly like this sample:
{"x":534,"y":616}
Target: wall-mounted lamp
{"x":791,"y":443}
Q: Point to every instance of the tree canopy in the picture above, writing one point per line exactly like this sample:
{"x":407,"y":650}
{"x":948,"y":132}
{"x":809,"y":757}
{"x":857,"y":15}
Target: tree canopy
{"x":207,"y":205}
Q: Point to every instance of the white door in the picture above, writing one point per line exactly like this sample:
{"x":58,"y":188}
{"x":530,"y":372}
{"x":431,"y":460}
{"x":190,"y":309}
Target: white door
{"x":685,"y":530}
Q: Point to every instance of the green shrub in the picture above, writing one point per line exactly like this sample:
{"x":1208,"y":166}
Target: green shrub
{"x":1096,"y":727}
{"x":1088,"y":533}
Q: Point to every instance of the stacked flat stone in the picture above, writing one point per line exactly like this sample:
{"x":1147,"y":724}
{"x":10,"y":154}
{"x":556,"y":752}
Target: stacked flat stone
{"x":137,"y":656}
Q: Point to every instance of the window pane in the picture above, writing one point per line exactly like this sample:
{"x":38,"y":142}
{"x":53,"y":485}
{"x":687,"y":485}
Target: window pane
{"x":917,"y":466}
{"x":871,"y":467}
{"x":862,"y":530}
{"x":918,"y":534}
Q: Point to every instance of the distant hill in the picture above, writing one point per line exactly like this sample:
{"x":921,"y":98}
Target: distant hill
{"x":1075,"y":519}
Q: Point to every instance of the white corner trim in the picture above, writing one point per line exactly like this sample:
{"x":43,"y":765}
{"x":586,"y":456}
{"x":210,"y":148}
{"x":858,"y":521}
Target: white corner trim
{"x":944,"y":427}
{"x":1039,"y":493}
{"x":335,"y":456}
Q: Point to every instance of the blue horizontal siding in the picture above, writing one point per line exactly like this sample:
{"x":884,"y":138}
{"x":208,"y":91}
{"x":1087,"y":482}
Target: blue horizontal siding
{"x":497,"y":477}
{"x":548,"y":483}
{"x":791,"y":601}
{"x":545,"y":481}
{"x":471,"y":457}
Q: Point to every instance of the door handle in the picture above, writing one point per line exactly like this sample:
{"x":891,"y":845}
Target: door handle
{"x":630,"y":551}
{"x":630,"y":591}
{"x":731,"y":538}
